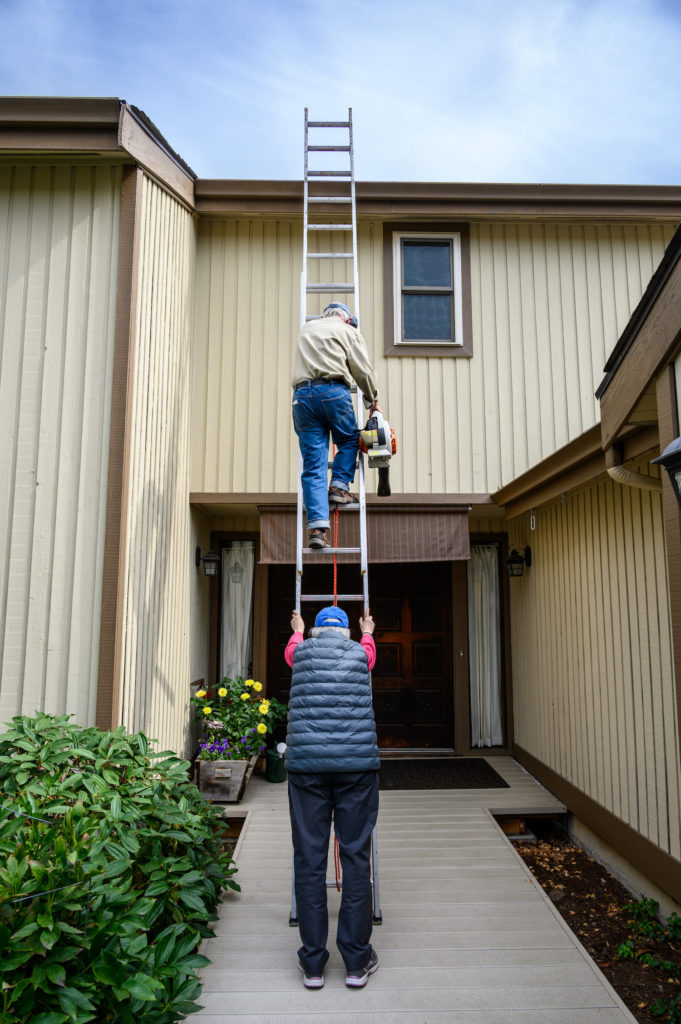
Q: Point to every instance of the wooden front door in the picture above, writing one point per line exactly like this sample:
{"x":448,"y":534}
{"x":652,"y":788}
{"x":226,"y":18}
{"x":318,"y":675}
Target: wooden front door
{"x":413,"y":678}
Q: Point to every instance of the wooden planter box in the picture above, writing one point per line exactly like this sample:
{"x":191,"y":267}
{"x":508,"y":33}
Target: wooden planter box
{"x":224,"y":781}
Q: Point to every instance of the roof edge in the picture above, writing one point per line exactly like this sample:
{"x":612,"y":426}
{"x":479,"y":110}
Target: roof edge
{"x":671,"y":257}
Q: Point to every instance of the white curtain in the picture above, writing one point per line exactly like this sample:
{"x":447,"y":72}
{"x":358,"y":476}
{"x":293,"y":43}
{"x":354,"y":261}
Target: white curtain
{"x":238,"y":562}
{"x":484,"y":641}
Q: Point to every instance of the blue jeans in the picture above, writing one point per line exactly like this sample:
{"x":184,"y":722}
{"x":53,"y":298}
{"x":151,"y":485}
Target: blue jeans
{"x":318,"y":408}
{"x":352,"y":799}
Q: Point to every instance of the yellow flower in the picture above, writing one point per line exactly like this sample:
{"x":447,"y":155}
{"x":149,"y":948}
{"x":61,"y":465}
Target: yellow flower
{"x":257,"y":687}
{"x":222,"y":692}
{"x":207,"y":710}
{"x":248,"y":682}
{"x":201,"y":693}
{"x":245,"y":696}
{"x":263,"y":709}
{"x":262,"y":727}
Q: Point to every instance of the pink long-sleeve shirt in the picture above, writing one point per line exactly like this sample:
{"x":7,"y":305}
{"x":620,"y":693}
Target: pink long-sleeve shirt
{"x":367,"y":643}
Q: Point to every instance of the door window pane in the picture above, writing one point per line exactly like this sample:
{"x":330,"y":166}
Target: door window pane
{"x":427,"y":264}
{"x":427,"y":317}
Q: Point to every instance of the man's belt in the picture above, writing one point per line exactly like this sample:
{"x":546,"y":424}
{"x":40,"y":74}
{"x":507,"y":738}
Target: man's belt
{"x":321,"y":380}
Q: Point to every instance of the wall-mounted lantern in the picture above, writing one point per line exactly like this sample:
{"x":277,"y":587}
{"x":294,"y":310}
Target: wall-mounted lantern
{"x":671,"y":460}
{"x":516,"y":561}
{"x":210,"y":561}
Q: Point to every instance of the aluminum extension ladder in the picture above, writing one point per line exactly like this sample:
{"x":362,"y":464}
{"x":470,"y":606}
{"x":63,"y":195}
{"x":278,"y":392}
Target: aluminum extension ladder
{"x":344,"y":226}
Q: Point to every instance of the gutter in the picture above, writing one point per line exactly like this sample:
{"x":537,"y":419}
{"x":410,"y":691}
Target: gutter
{"x":630,"y":479}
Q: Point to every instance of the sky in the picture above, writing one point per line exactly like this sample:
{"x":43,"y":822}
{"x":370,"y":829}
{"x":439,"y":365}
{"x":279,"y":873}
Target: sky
{"x":534,"y":91}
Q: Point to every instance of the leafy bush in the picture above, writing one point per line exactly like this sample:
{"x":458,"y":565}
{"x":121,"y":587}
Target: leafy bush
{"x":113,"y":867}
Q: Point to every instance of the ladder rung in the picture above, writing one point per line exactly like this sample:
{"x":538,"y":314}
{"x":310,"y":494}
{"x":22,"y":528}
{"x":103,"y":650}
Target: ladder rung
{"x":329,"y":174}
{"x":329,"y":199}
{"x":330,"y":287}
{"x":332,"y":551}
{"x":330,"y":597}
{"x":330,"y":255}
{"x":328,"y":124}
{"x":328,"y":149}
{"x":329,"y":227}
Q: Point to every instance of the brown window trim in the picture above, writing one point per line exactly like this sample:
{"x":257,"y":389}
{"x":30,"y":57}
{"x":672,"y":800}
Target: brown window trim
{"x":465,"y":350}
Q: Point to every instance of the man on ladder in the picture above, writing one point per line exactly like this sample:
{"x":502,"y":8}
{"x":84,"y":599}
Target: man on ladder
{"x":332,"y":764}
{"x":331,"y":354}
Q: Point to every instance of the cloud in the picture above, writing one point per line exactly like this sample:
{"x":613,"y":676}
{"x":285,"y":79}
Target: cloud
{"x":575,"y":90}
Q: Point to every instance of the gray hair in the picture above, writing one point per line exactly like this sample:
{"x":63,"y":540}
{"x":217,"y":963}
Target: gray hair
{"x":318,"y":630}
{"x":335,"y":311}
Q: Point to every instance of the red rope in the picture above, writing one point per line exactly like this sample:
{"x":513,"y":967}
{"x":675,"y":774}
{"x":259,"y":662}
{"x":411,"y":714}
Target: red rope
{"x":335,"y":544}
{"x":336,"y":861}
{"x":335,"y":559}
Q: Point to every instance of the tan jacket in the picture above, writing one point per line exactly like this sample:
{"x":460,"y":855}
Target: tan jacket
{"x":332,"y":350}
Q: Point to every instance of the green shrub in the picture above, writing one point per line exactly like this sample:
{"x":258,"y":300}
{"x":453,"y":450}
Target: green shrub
{"x":113,"y":867}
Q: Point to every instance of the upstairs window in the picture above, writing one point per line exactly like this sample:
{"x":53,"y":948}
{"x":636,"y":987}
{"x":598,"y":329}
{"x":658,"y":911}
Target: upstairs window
{"x":428,"y":314}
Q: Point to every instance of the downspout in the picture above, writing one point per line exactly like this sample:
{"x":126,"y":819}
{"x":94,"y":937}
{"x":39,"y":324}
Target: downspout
{"x":630,"y":479}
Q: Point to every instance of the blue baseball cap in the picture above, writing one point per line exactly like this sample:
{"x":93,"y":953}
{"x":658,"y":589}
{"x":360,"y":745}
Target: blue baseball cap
{"x":332,"y":616}
{"x":338,"y":305}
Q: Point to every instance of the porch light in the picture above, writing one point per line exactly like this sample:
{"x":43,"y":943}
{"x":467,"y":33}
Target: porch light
{"x":210,"y":562}
{"x":671,"y":460}
{"x":516,"y":561}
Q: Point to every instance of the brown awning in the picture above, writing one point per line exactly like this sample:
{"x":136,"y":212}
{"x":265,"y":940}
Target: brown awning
{"x":413,"y":534}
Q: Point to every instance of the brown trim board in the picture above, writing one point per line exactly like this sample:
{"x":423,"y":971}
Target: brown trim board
{"x":109,"y":668}
{"x":453,"y":201}
{"x":669,"y":416}
{"x":208,"y":498}
{"x":660,"y":867}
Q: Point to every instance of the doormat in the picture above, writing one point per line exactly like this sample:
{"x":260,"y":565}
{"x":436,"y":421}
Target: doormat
{"x":439,"y":773}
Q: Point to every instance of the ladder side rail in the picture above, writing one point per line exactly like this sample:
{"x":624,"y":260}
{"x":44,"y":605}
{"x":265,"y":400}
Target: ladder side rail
{"x":303,"y":320}
{"x":303,"y":272}
{"x":299,"y":535}
{"x":353,"y":199}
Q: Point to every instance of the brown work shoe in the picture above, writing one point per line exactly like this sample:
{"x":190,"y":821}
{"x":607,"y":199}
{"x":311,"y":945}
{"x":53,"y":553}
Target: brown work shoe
{"x":340,"y":497}
{"x":318,"y":539}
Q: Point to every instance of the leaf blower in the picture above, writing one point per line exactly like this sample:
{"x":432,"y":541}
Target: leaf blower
{"x":378,"y":441}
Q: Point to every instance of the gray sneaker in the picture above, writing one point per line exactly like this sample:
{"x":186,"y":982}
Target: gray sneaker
{"x":311,"y":980}
{"x":358,"y":979}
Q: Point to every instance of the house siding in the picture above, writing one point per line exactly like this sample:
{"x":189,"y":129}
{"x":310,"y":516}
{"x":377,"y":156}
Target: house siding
{"x":58,"y":266}
{"x":593,"y":679}
{"x":548,"y":304}
{"x":158,"y":571}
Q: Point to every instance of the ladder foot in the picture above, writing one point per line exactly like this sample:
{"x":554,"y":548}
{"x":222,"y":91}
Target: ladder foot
{"x":293,"y":922}
{"x":378,"y":920}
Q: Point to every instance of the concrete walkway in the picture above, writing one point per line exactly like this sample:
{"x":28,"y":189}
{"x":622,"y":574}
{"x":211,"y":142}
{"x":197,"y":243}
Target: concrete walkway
{"x":468,"y":936}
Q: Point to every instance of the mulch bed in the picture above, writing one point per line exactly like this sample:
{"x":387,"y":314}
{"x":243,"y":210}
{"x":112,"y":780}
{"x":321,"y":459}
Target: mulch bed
{"x":592,"y":902}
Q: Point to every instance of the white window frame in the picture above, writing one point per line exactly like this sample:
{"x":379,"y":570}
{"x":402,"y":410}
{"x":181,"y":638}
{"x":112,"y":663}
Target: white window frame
{"x":457,"y":288}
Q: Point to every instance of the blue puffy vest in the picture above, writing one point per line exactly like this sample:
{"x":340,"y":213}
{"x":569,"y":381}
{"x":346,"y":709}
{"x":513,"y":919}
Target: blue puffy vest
{"x":331,"y":725}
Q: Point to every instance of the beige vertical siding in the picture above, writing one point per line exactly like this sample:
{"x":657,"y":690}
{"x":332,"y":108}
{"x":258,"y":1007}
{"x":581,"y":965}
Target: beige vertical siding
{"x":58,"y":267}
{"x":593,"y":680}
{"x":548,"y":304}
{"x":158,"y":563}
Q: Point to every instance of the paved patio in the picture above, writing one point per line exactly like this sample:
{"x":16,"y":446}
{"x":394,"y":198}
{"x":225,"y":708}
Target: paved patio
{"x":468,"y":936}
